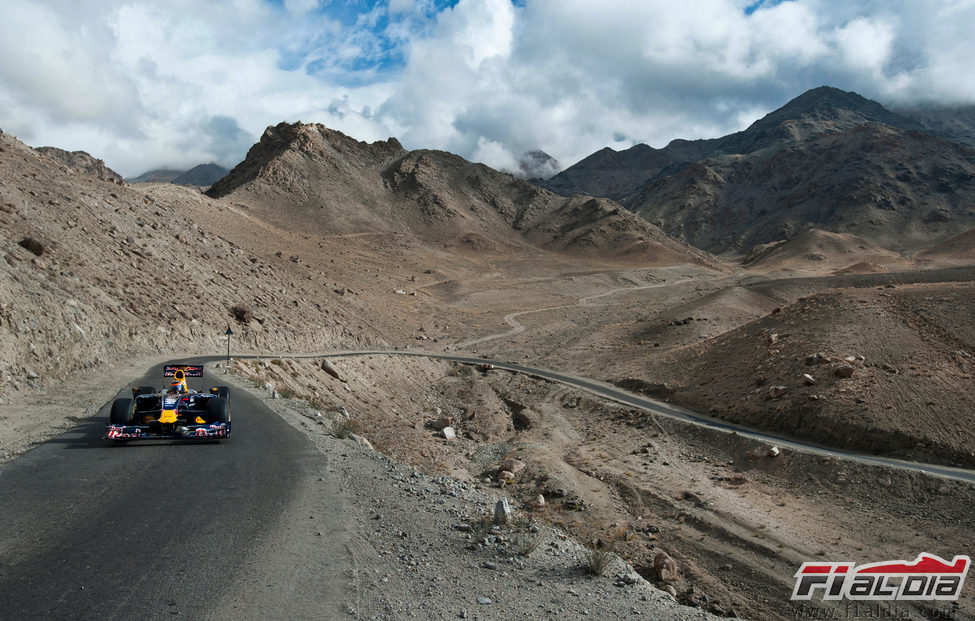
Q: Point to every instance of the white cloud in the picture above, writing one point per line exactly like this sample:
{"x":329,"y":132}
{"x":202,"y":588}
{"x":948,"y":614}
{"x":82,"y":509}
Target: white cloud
{"x":139,"y":82}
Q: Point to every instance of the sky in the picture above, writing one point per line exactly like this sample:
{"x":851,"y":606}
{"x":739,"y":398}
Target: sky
{"x":146,"y":84}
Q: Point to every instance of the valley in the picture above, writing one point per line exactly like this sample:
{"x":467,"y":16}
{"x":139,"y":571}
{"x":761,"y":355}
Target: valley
{"x":715,"y":286}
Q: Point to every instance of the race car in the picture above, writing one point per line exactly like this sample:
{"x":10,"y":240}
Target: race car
{"x":176,"y":411}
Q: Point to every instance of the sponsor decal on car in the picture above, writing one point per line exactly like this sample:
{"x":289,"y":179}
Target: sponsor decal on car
{"x":115,"y":432}
{"x":213,"y":431}
{"x":928,"y":577}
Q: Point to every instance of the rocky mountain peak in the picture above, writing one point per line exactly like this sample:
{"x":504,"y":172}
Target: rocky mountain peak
{"x":283,"y":146}
{"x":83,"y":162}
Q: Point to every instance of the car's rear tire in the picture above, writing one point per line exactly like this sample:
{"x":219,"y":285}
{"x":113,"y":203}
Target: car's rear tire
{"x":218,"y":410}
{"x":121,"y":412}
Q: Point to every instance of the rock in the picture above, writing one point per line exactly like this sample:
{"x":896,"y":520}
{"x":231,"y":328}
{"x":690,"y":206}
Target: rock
{"x":361,"y":440}
{"x":329,"y":368}
{"x":502,"y":511}
{"x":773,"y":451}
{"x":489,"y":565}
{"x":814,"y":359}
{"x":844,"y":371}
{"x":540,"y":500}
{"x":670,"y":590}
{"x":775,"y":392}
{"x":268,"y":386}
{"x":448,"y":433}
{"x":665,"y":566}
{"x":512,"y":465}
{"x":483,"y":600}
{"x":809,"y":380}
{"x":440,"y":423}
{"x":506,"y":475}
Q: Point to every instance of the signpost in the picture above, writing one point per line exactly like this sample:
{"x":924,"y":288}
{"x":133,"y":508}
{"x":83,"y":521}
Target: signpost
{"x":229,"y":333}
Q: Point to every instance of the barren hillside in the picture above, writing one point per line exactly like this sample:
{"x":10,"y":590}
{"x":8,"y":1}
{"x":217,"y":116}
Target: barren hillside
{"x":93,"y":273}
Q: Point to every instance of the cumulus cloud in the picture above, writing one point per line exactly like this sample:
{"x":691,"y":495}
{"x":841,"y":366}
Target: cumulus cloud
{"x":145,"y":83}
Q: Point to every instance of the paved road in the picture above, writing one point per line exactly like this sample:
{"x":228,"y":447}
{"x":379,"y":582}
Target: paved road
{"x":619,"y":395}
{"x":147,"y":530}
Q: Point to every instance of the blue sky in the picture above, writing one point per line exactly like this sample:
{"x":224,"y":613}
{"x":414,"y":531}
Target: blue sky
{"x":151,"y":83}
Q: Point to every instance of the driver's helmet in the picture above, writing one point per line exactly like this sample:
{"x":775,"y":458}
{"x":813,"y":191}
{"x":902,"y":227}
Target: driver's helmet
{"x":177,"y":387}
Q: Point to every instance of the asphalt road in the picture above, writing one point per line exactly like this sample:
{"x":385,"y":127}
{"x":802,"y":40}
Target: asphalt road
{"x":145,"y":530}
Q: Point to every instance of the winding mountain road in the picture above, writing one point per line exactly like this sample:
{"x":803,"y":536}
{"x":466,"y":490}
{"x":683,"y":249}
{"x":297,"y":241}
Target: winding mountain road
{"x":613,"y":393}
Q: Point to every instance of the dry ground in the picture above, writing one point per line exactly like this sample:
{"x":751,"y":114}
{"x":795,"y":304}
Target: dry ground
{"x":738,"y":521}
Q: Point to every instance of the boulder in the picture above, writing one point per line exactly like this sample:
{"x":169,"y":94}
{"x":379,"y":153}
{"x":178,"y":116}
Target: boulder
{"x":502,"y":511}
{"x":665,"y":566}
{"x":329,"y":368}
{"x":512,"y":465}
{"x":448,"y":433}
{"x":843,"y":371}
{"x":360,"y":440}
{"x":443,"y":421}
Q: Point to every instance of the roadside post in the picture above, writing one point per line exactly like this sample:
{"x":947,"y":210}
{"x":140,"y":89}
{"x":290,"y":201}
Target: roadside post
{"x":229,"y":333}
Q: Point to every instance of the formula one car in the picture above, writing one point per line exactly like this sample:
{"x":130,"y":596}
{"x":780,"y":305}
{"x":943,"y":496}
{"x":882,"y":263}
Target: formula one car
{"x":174,"y":412}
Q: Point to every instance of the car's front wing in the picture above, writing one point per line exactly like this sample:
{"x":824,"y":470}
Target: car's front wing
{"x":205,"y":431}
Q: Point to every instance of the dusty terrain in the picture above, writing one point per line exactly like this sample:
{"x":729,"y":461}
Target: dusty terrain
{"x":737,"y":520}
{"x":131,"y":274}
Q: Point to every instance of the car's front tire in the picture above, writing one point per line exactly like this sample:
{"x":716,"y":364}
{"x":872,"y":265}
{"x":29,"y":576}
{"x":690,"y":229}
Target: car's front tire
{"x":121,"y":412}
{"x":218,"y":410}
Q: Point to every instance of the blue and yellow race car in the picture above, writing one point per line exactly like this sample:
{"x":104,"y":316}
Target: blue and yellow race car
{"x":175,"y":412}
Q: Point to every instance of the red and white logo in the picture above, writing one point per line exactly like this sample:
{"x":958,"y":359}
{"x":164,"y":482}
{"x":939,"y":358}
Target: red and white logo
{"x":927,"y":578}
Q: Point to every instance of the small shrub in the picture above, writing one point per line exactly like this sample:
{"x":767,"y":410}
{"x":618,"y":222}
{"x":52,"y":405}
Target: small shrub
{"x":481,"y":528}
{"x":596,"y":561}
{"x":242,"y":313}
{"x":524,"y":543}
{"x":343,"y":428}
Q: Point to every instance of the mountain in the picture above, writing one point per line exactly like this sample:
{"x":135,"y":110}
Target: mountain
{"x":81,"y":161}
{"x":202,"y":175}
{"x":158,"y":175}
{"x":954,"y":123}
{"x":828,"y":159}
{"x":538,"y":165}
{"x":903,"y":190}
{"x":618,"y":174}
{"x":306,"y":177}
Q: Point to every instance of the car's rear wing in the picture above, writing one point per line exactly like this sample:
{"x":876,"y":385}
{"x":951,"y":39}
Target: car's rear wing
{"x":188,"y":370}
